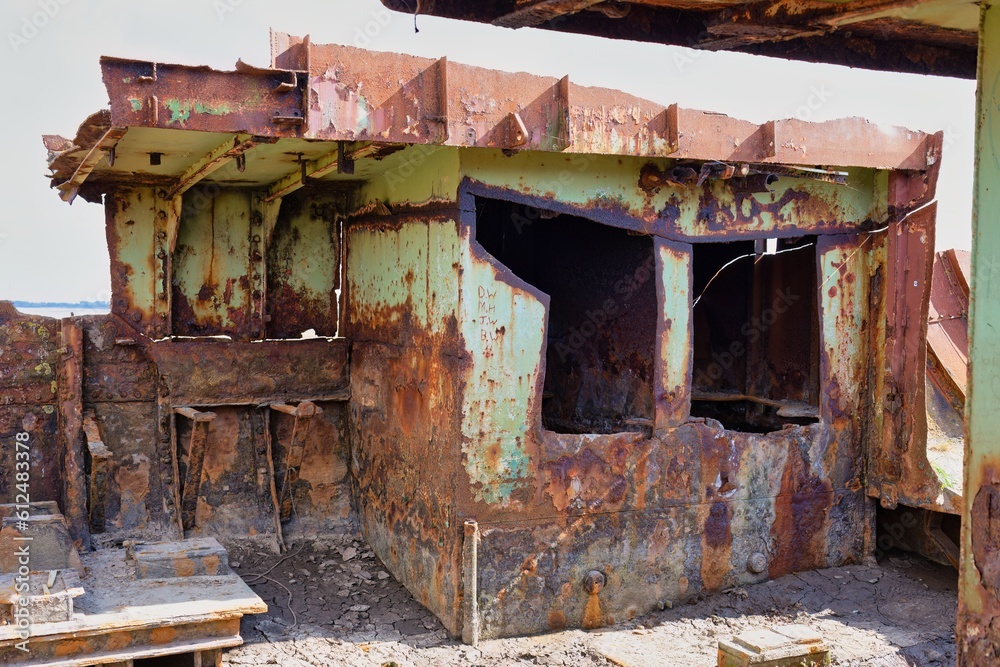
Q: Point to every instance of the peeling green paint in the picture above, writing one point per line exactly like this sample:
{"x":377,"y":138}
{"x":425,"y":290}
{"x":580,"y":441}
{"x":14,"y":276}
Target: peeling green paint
{"x":506,"y":368}
{"x":136,"y":104}
{"x":221,"y":110}
{"x":180,"y":110}
{"x":982,"y":448}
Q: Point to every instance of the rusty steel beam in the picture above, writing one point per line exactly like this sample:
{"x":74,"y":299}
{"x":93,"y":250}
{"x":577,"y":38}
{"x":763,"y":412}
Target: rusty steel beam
{"x":787,"y":20}
{"x":100,"y":462}
{"x":100,"y":150}
{"x":253,"y":101}
{"x":213,"y":372}
{"x":190,"y":489}
{"x":886,"y":35}
{"x":308,"y":169}
{"x":70,"y":379}
{"x":301,"y":428}
{"x":427,"y":107}
{"x":214,"y":160}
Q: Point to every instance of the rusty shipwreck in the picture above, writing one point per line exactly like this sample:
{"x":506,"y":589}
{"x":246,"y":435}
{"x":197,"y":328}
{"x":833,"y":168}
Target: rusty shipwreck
{"x":561,"y":352}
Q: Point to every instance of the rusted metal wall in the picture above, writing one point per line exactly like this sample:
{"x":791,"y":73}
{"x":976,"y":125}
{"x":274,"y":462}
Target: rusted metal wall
{"x":211,"y":268}
{"x":692,"y":508}
{"x":121,"y":393}
{"x":979,"y":587}
{"x":901,"y":471}
{"x":440,"y":383}
{"x":29,"y":361}
{"x":315,"y":498}
{"x":196,"y":265}
{"x":703,"y":500}
{"x":303,"y":266}
{"x":402,"y":280}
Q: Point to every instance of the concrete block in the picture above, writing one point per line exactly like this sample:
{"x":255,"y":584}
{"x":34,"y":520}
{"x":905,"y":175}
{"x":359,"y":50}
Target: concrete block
{"x":779,"y":646}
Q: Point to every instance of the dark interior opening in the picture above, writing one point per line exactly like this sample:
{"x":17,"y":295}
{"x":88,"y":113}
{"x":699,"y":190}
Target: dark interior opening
{"x":599,"y":359}
{"x":756,"y":333}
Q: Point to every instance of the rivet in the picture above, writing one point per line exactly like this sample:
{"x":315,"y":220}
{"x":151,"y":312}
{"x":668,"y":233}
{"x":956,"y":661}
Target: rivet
{"x":757,"y":562}
{"x":594,"y":582}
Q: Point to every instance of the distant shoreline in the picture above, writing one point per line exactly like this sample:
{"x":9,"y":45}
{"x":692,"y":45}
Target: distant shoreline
{"x":62,"y":304}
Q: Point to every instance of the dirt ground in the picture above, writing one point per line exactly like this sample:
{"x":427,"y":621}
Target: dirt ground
{"x":332,"y":603}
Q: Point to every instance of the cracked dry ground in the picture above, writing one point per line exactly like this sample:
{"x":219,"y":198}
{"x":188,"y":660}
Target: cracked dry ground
{"x":332,"y":603}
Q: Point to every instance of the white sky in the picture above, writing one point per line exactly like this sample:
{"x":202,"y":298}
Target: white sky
{"x":52,"y":81}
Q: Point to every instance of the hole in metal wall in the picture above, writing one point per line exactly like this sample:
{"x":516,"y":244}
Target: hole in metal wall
{"x":601,"y":334}
{"x":756,"y":334}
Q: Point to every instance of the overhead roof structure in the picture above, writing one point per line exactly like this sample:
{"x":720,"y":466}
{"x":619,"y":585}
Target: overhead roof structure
{"x":918,"y":36}
{"x":335,"y":122}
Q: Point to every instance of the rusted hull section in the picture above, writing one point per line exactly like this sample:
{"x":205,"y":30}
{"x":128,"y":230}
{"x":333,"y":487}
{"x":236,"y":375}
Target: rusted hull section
{"x":631,"y":514}
{"x":580,"y":353}
{"x":406,"y":356}
{"x":697,"y":507}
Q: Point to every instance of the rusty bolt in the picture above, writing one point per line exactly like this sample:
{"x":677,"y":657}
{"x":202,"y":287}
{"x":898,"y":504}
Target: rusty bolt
{"x":162,"y":234}
{"x":593,"y":583}
{"x":757,"y":562}
{"x":136,"y":316}
{"x":256,"y":238}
